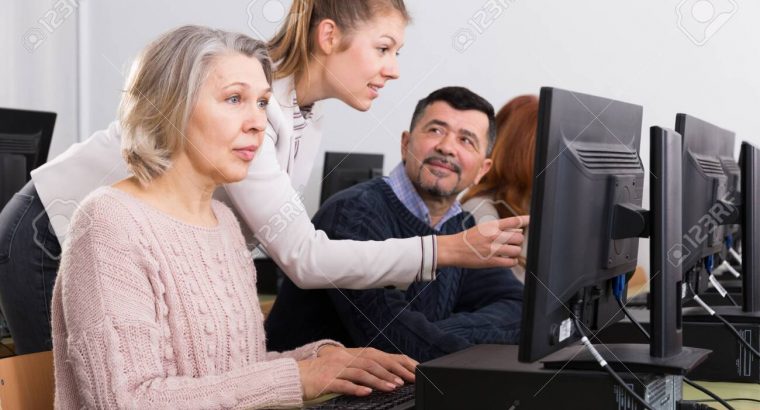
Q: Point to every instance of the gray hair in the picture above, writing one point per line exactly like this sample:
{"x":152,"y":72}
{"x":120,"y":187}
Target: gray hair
{"x":162,"y":89}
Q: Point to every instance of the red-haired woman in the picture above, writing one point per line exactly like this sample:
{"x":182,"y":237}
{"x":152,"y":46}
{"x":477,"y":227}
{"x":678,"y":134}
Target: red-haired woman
{"x":506,"y":189}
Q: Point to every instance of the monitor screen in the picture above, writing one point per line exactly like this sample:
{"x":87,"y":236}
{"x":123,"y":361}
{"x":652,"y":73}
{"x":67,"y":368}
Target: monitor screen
{"x":344,"y":170}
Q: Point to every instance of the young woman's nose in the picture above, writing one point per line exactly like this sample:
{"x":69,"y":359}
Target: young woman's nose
{"x":391,"y":69}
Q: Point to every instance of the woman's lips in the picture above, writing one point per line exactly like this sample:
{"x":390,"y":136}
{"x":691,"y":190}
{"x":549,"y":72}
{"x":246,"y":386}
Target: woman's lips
{"x":246,"y":153}
{"x":374,"y":90}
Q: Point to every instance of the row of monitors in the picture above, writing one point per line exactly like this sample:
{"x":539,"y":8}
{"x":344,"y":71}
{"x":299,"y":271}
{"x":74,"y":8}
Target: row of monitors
{"x":586,"y":208}
{"x":586,"y":216}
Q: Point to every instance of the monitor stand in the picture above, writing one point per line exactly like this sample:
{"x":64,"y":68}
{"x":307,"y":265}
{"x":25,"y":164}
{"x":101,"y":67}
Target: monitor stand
{"x":627,"y":357}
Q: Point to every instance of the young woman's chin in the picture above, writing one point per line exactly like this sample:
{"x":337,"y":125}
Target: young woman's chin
{"x":360,"y":105}
{"x":357,"y":101}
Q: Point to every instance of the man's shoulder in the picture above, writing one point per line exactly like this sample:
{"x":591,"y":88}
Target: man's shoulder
{"x":370,"y":193}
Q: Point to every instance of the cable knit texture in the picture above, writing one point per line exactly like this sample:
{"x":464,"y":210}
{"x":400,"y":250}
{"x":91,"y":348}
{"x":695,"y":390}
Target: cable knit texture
{"x":150,"y":312}
{"x":461,"y":308}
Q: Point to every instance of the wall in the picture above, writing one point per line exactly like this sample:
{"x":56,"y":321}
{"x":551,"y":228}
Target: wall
{"x":38,"y":68}
{"x":638,"y":52}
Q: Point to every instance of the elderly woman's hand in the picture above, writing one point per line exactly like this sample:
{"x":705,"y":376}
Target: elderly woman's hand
{"x":354,"y":371}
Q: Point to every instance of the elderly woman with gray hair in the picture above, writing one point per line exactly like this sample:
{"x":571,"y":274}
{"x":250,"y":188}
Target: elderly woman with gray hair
{"x":155,"y":303}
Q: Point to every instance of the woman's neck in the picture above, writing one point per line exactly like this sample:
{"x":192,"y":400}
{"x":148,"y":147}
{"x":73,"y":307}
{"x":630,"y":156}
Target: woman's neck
{"x":310,"y":84}
{"x":181,"y":191}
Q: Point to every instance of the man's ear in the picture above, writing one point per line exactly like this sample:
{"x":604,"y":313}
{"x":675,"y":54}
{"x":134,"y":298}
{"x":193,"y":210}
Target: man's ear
{"x":328,"y":36}
{"x":484,"y":168}
{"x":404,"y":145}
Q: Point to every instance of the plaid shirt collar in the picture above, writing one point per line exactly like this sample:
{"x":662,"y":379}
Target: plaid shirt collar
{"x":404,"y":189}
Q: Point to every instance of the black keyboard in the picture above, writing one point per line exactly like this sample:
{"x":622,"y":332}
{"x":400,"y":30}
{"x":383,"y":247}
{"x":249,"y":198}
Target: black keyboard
{"x":399,"y":399}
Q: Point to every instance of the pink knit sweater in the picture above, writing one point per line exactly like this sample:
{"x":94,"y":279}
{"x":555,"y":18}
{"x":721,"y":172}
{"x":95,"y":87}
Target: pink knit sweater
{"x":151,"y":312}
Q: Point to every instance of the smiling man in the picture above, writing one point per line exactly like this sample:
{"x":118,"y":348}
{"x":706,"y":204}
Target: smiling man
{"x":445,"y":152}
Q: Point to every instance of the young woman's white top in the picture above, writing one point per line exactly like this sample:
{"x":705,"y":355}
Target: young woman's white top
{"x":265,"y":200}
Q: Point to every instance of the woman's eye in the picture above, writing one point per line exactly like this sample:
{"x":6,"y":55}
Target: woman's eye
{"x":263,"y":103}
{"x":383,"y":50}
{"x":234,"y":99}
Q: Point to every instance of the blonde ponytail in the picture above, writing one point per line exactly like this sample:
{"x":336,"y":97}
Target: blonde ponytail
{"x":290,"y":46}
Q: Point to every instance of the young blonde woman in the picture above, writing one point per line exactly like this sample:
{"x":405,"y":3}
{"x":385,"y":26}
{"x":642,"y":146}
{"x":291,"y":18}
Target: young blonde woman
{"x":326,"y":49}
{"x":155,"y":302}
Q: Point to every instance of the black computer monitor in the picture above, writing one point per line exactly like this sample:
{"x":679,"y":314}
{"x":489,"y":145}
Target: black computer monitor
{"x":586,"y":162}
{"x":586,"y":219}
{"x":747,"y":213}
{"x":705,"y":185}
{"x":733,"y":186}
{"x":728,"y":161}
{"x":726,"y":264}
{"x":24,"y":144}
{"x":749,"y":162}
{"x":343,"y":170}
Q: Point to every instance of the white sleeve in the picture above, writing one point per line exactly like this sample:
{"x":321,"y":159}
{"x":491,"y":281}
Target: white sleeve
{"x":273,"y":211}
{"x":64,"y":181}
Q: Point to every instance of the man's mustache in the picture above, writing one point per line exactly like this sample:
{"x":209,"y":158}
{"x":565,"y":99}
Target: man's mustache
{"x":445,"y":161}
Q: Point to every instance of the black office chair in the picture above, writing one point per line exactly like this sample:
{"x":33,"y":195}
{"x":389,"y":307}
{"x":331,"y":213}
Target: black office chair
{"x":24,"y":144}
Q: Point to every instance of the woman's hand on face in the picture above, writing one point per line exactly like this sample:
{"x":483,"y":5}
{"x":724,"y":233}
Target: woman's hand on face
{"x":353,"y":371}
{"x":490,"y":244}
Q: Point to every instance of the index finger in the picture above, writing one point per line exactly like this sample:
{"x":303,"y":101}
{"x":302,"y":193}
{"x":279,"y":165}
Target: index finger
{"x":515,"y":222}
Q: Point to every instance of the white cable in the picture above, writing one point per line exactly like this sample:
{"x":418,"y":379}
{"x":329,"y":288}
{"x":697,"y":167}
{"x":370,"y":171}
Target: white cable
{"x":593,"y":351}
{"x":714,"y":282}
{"x":704,"y":305}
{"x":735,"y":254}
{"x":731,"y":269}
{"x":720,"y":269}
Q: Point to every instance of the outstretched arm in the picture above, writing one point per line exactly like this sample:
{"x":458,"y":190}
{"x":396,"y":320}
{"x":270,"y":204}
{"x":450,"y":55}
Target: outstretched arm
{"x":272,"y":209}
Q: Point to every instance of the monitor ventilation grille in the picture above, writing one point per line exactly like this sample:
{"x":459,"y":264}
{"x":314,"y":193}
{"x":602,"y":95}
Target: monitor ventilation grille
{"x":609,"y":159}
{"x":18,"y":144}
{"x":731,"y":166}
{"x":710,"y":166}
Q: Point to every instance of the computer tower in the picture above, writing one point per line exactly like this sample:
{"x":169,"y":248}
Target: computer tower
{"x":491,"y":377}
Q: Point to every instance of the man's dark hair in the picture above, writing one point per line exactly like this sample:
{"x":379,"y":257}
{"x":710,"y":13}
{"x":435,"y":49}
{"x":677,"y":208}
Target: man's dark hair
{"x":462,"y":99}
